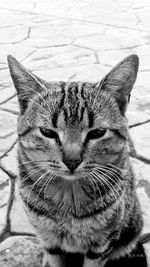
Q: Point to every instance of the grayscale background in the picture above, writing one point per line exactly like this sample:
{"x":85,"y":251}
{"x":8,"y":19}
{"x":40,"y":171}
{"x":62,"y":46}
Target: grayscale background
{"x":68,"y":40}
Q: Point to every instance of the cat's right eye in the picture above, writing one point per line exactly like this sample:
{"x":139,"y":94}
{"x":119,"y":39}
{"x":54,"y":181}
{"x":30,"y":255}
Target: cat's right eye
{"x":94,"y":134}
{"x":49,"y":133}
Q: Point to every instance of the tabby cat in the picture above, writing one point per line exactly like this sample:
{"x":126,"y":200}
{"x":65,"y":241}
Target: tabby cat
{"x":76,"y":180}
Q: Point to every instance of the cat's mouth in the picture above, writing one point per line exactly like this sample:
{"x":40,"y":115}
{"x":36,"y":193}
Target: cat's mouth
{"x":80,"y":172}
{"x":72,"y":176}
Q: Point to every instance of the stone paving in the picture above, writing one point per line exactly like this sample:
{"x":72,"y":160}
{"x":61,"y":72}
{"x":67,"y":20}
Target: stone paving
{"x":68,"y":40}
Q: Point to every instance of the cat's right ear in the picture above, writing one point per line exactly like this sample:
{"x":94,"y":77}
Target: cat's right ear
{"x":26,"y":83}
{"x":120,"y":80}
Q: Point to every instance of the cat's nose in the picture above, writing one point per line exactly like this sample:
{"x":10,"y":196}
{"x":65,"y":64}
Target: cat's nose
{"x":72,"y":156}
{"x":72,"y":164}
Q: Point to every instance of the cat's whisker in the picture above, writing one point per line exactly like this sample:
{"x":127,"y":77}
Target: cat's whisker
{"x":39,"y":179}
{"x":42,"y":187}
{"x":109,"y":185}
{"x":101,"y":179}
{"x":106,"y":175}
{"x":118,"y":176}
{"x":48,"y":181}
{"x":110,"y":167}
{"x":94,"y":184}
{"x":42,"y":164}
{"x":115,"y":167}
{"x":35,"y":167}
{"x":114,"y":172}
{"x":117,"y":185}
{"x":110,"y":171}
{"x":89,"y":177}
{"x":28,"y":188}
{"x":36,"y":201}
{"x":33,"y":161}
{"x":100,"y":194}
{"x":26,"y":177}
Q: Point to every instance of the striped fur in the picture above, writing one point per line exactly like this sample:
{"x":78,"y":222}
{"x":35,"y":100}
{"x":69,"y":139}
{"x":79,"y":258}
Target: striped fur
{"x":78,"y":191}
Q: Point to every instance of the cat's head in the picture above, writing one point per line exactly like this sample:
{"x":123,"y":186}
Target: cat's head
{"x":72,"y":128}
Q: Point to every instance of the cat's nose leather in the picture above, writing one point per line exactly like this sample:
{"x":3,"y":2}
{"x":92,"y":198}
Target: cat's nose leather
{"x":72,"y":164}
{"x":72,"y":156}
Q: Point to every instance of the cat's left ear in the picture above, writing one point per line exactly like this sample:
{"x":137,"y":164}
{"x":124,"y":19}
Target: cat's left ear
{"x":26,"y":83}
{"x":120,"y":80}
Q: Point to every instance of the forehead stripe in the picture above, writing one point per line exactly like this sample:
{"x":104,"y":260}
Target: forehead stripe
{"x":61,"y":104}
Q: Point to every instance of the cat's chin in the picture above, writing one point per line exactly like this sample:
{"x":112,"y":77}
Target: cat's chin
{"x":76,"y":186}
{"x":77,"y":197}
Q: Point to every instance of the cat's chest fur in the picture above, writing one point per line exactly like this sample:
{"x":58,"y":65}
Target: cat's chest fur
{"x":77,"y":235}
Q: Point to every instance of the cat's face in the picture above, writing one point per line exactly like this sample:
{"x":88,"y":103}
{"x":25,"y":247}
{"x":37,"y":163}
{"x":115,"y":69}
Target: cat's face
{"x":75,"y":129}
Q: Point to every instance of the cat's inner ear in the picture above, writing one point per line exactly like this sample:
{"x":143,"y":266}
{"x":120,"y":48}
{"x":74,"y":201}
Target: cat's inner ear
{"x":26,"y":83}
{"x":120,"y":80}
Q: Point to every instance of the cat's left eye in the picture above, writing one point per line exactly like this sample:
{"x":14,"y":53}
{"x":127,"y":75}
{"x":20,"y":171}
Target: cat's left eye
{"x":48,"y":133}
{"x":94,"y":134}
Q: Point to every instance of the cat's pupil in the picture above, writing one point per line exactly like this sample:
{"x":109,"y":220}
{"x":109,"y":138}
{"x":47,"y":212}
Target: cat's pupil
{"x":94,"y":134}
{"x":48,"y":133}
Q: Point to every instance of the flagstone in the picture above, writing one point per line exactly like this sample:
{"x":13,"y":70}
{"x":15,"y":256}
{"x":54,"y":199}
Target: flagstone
{"x":141,"y":138}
